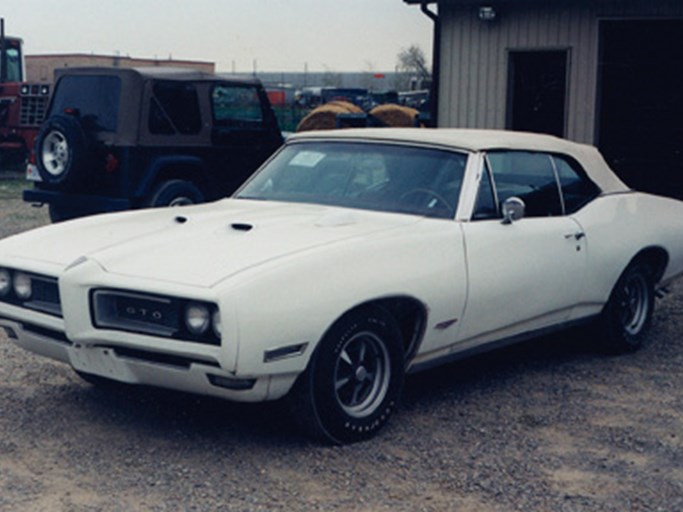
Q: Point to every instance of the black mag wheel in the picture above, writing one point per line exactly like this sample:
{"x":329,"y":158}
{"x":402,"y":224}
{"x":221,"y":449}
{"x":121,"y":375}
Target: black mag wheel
{"x":354,"y":380}
{"x":628,"y":313}
{"x":361,"y":374}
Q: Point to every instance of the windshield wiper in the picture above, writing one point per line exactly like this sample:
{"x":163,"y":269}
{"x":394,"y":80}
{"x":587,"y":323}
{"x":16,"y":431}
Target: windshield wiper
{"x":251,"y":198}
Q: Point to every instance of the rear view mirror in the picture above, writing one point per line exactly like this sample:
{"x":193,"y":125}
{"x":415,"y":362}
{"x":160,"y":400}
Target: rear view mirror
{"x":513,"y":209}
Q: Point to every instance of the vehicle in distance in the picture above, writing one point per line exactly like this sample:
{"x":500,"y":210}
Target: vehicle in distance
{"x":347,"y":260}
{"x":118,"y":138}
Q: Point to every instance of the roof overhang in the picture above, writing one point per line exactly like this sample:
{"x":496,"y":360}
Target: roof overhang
{"x":503,"y":2}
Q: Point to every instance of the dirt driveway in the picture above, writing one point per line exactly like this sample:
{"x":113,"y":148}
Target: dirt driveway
{"x":545,"y":426}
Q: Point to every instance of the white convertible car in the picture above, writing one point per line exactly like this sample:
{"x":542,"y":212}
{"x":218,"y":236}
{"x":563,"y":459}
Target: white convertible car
{"x":348,"y":259}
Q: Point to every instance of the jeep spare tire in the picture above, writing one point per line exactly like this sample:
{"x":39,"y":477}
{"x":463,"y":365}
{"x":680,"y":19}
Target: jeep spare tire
{"x":61,"y":151}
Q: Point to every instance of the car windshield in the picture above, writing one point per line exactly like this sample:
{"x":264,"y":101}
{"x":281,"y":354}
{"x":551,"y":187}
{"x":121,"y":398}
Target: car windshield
{"x":372,"y":176}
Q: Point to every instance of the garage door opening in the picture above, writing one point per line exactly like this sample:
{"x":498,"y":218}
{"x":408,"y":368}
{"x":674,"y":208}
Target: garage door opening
{"x":640,"y":114}
{"x":537,"y":91}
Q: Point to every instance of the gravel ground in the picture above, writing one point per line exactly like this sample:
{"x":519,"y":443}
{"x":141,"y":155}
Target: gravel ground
{"x":549,"y":425}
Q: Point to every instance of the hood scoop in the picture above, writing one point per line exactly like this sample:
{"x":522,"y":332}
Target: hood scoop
{"x":241,"y":226}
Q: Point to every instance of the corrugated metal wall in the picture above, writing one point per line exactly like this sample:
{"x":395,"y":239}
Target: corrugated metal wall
{"x":474,"y":56}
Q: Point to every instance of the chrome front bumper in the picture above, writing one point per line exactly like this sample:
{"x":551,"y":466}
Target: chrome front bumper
{"x":136,"y":365}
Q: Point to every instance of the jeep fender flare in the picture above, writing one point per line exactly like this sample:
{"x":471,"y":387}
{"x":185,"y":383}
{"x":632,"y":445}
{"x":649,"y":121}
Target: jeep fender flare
{"x":184,"y":167}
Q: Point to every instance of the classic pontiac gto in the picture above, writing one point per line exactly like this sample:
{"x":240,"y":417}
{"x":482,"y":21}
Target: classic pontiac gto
{"x":347,"y":260}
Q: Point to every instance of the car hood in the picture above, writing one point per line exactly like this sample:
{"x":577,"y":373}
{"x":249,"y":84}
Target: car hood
{"x":199,"y":245}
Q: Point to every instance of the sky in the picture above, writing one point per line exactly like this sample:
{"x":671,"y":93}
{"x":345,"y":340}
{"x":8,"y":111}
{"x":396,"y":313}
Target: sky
{"x":240,"y":35}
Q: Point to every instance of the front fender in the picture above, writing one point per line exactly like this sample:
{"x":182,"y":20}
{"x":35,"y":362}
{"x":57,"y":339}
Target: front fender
{"x":293,"y":301}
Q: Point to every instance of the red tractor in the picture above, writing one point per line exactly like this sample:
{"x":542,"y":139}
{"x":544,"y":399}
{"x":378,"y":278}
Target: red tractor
{"x":22,"y":105}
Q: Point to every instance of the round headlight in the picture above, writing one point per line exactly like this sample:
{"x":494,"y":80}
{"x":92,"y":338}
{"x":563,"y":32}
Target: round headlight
{"x":197,"y":318}
{"x":216,"y":322}
{"x":5,"y":282}
{"x":22,"y":285}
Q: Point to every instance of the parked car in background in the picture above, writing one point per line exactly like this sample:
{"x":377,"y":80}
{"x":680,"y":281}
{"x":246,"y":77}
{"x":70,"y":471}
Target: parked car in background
{"x":416,"y":99}
{"x":347,"y":260}
{"x":116,"y":139}
{"x":311,"y":97}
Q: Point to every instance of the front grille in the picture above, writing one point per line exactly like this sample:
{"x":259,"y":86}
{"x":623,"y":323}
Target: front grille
{"x":45,"y":295}
{"x":32,"y":110}
{"x":144,"y":314}
{"x":134,"y":312}
{"x":48,"y":333}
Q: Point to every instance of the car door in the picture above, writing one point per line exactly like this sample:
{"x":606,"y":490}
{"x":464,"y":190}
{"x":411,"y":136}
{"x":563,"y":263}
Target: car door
{"x":526,"y":274}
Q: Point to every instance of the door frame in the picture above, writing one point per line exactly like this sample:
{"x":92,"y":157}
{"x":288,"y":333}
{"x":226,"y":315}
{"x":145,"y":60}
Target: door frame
{"x":510,"y":89}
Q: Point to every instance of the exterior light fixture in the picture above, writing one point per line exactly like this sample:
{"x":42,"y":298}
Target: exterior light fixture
{"x":487,"y":13}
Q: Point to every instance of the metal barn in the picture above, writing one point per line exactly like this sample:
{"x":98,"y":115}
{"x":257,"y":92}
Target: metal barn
{"x":606,"y":72}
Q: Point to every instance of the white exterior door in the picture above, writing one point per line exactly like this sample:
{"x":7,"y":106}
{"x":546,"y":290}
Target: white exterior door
{"x":526,"y":274}
{"x":521,"y":276}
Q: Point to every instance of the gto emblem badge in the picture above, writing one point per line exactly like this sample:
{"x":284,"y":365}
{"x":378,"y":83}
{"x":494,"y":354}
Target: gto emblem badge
{"x":144,"y":313}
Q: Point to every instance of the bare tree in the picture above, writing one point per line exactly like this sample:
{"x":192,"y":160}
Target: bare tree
{"x":411,"y":68}
{"x":412,"y":60}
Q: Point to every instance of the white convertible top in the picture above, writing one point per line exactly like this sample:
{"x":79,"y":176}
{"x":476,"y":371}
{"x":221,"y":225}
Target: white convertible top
{"x":482,"y":140}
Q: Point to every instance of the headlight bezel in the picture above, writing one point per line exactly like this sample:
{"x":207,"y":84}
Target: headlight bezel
{"x":30,"y":290}
{"x":208,"y":332}
{"x":6,"y":285}
{"x":22,"y":285}
{"x":152,"y":314}
{"x":197,"y":317}
{"x":216,"y":323}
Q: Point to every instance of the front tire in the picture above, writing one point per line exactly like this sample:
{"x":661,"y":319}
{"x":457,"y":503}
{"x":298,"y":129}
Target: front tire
{"x":628,"y":313}
{"x":354,"y":380}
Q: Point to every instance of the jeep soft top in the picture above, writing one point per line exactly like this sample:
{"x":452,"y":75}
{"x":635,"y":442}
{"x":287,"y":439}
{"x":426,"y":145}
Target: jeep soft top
{"x":119,"y":138}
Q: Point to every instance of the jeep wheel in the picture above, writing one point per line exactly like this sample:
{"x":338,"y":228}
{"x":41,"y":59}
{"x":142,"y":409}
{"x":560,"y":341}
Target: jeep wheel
{"x":175,"y":193}
{"x":61,"y":151}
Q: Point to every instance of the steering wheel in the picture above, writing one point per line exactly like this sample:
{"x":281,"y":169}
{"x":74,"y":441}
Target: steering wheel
{"x":430,"y":193}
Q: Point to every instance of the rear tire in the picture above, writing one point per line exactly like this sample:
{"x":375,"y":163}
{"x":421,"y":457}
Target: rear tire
{"x":354,"y":380}
{"x":628,"y":313}
{"x":175,"y":193}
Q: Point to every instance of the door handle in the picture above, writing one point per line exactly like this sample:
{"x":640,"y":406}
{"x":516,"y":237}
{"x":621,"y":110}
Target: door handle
{"x":576,"y":236}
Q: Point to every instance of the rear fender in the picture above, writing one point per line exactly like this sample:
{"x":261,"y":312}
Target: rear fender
{"x":184,"y":167}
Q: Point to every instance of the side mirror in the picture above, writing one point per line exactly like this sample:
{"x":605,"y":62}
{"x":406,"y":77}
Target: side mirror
{"x":513,"y":209}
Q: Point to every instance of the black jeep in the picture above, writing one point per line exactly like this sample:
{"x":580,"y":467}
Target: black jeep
{"x":116,"y":139}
